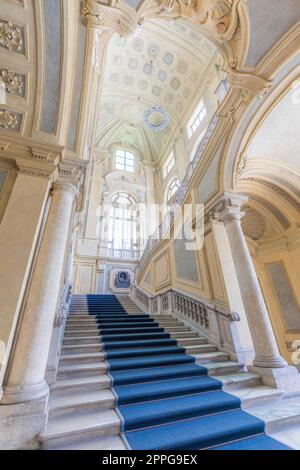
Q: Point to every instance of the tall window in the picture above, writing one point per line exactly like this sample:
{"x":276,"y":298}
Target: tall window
{"x":169,"y":165}
{"x":122,"y":226}
{"x":197,"y":118}
{"x":124,"y":160}
{"x":172,"y":190}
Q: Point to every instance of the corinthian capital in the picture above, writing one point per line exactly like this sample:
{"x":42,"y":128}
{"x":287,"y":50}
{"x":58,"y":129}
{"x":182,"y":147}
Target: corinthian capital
{"x":109,"y":17}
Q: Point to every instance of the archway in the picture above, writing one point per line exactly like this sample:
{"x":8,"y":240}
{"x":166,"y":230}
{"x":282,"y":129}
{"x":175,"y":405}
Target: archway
{"x":269,"y":174}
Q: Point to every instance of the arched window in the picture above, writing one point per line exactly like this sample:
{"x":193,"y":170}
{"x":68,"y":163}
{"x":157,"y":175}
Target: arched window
{"x":172,"y":190}
{"x":122,"y":226}
{"x":124,"y":160}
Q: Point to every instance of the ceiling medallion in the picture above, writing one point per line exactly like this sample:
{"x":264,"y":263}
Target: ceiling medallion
{"x":157,"y":118}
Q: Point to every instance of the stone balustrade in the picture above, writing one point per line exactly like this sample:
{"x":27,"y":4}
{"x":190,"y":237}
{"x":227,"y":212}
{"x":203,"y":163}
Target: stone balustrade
{"x":212,"y":321}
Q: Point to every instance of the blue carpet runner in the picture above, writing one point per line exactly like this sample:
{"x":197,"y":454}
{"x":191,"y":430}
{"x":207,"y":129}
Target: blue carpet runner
{"x":165,"y":401}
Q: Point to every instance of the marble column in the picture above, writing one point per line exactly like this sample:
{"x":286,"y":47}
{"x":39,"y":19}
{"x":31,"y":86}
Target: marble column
{"x":268,"y":361}
{"x":19,"y":233}
{"x":266,"y":349}
{"x":26,"y":377}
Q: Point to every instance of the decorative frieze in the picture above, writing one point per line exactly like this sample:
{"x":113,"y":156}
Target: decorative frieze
{"x":14,"y":83}
{"x":10,"y":119}
{"x":11,"y":36}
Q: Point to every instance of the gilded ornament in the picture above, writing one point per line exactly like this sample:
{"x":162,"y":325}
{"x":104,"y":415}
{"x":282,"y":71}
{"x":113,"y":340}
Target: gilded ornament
{"x":8,"y":120}
{"x":10,"y":36}
{"x":12,"y":81}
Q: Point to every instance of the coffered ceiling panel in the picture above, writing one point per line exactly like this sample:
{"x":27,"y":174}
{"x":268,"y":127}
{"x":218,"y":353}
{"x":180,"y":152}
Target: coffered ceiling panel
{"x":163,"y":64}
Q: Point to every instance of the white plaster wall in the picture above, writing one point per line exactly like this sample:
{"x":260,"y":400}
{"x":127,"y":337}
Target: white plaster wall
{"x":269,"y":21}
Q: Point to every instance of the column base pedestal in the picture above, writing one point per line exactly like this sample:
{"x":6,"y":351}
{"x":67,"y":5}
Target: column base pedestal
{"x":286,"y":378}
{"x":267,"y":362}
{"x":18,"y":394}
{"x":21,"y":424}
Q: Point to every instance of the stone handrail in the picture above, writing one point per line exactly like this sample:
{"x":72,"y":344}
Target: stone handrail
{"x":214,"y":322}
{"x":63,"y":305}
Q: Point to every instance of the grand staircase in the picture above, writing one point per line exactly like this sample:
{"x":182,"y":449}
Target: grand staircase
{"x":128,"y":380}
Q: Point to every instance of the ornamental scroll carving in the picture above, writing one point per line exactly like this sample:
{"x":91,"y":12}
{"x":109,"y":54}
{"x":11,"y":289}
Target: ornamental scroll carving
{"x":108,"y":17}
{"x":219,"y":16}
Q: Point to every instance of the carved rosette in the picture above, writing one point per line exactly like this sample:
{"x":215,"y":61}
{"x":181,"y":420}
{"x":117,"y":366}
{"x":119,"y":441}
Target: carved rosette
{"x":13,"y":82}
{"x":11,"y":36}
{"x":8,"y":120}
{"x":108,"y":18}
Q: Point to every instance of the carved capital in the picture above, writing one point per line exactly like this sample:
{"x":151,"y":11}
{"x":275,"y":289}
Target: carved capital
{"x":109,"y":18}
{"x":228,"y":208}
{"x":70,"y":177}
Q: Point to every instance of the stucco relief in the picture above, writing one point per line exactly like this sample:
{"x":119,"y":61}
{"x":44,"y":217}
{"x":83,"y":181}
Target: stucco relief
{"x":13,"y":82}
{"x":219,"y":16}
{"x":11,"y":36}
{"x":108,"y":17}
{"x":8,"y":119}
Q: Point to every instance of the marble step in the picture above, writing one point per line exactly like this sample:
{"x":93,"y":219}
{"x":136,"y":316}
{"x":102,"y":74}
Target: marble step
{"x":83,"y":332}
{"x":208,"y":353}
{"x":278,"y":416}
{"x":82,"y":358}
{"x":92,"y":443}
{"x":223,"y":368}
{"x":239,"y":380}
{"x":200,"y":348}
{"x":73,"y":340}
{"x":182,"y":334}
{"x":90,"y":424}
{"x":204,"y":358}
{"x":163,"y":317}
{"x":81,"y":384}
{"x":95,"y":340}
{"x":82,"y":370}
{"x":70,"y":403}
{"x":191,"y":341}
{"x":82,"y":326}
{"x":192,"y":347}
{"x":82,"y":322}
{"x":257,"y":395}
{"x":81,"y":348}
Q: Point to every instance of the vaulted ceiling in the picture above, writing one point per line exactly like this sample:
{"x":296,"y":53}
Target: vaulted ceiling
{"x":165,"y":64}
